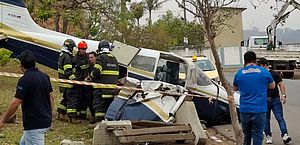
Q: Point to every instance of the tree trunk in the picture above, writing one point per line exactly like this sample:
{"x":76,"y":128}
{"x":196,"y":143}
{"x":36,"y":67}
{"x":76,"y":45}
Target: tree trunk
{"x":232,"y":107}
{"x":56,"y":23}
{"x":138,"y":23}
{"x":65,"y":24}
{"x":150,"y":18}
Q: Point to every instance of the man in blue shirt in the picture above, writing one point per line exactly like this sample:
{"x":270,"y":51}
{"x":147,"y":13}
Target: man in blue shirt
{"x":34,"y":94}
{"x":253,"y":82}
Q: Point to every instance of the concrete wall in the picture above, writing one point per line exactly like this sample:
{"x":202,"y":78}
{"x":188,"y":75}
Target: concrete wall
{"x":230,"y":37}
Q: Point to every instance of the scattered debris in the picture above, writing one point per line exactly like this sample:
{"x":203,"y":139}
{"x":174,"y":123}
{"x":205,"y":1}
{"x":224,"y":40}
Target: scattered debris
{"x":69,"y":142}
{"x":158,"y":133}
{"x":215,"y":139}
{"x":137,"y":132}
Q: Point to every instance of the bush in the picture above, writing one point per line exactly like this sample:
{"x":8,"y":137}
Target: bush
{"x":4,"y":56}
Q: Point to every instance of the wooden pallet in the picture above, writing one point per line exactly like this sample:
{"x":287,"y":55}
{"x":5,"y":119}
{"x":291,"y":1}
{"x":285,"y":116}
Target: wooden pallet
{"x":156,"y":132}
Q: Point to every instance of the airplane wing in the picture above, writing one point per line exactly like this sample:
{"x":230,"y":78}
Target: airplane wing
{"x":124,"y":53}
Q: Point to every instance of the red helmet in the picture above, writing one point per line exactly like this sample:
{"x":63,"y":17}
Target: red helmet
{"x":82,"y":45}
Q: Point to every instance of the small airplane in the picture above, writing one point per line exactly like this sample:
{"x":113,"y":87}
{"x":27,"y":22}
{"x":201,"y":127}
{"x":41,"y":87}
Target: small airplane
{"x":167,"y":67}
{"x":18,"y":33}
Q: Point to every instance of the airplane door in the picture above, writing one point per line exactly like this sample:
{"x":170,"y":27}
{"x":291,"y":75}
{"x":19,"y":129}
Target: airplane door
{"x":124,"y":53}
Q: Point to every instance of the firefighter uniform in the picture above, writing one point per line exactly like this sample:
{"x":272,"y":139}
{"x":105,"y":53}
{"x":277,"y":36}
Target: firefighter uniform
{"x":105,"y":71}
{"x":66,"y":71}
{"x":90,"y":91}
{"x":80,"y":61}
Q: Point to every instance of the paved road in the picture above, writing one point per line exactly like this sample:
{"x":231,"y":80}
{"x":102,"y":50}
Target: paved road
{"x":291,"y":112}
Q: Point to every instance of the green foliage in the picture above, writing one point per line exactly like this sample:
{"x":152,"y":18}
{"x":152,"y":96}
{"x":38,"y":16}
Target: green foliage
{"x":152,"y":5}
{"x":111,"y":20}
{"x":137,"y":10}
{"x":4,"y":56}
{"x":177,"y":29}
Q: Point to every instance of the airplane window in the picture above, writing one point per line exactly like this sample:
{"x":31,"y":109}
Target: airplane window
{"x":202,"y":79}
{"x":182,"y":71}
{"x":144,"y":63}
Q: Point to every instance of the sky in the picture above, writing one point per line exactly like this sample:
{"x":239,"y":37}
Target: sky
{"x":260,"y":17}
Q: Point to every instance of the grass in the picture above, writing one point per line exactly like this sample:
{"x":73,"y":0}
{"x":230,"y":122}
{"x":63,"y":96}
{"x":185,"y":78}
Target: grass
{"x":11,"y":133}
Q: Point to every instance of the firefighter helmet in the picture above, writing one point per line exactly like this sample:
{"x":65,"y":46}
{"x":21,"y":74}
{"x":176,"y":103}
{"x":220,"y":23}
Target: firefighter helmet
{"x":82,"y":45}
{"x":103,"y":44}
{"x":70,"y":44}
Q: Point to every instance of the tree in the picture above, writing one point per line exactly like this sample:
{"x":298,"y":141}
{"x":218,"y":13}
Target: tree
{"x":151,"y":5}
{"x":137,"y":10}
{"x":214,"y":15}
{"x":177,"y":29}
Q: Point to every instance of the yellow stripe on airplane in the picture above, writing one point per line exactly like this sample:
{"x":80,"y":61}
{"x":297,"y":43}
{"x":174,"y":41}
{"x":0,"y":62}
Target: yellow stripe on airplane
{"x":7,"y":31}
{"x":139,"y":71}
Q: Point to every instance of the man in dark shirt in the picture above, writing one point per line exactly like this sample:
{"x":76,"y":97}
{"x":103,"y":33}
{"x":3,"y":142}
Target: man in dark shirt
{"x":34,"y":94}
{"x":275,"y":102}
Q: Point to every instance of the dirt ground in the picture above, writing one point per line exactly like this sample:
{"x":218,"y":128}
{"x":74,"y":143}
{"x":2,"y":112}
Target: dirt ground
{"x":213,"y":137}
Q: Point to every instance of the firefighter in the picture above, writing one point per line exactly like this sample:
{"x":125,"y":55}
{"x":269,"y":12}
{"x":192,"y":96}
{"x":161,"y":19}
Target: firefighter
{"x":68,"y":105}
{"x":90,"y":89}
{"x":80,"y":62}
{"x":105,"y":71}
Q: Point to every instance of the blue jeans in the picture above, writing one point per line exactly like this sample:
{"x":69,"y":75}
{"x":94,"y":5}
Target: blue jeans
{"x":34,"y":137}
{"x":275,"y":105}
{"x":253,"y":125}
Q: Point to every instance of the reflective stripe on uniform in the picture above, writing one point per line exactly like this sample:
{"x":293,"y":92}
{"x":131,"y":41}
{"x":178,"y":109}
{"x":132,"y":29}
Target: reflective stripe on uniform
{"x":83,"y":112}
{"x":98,"y":66}
{"x":99,"y":114}
{"x":67,"y":66}
{"x":72,"y":77}
{"x":110,"y":72}
{"x":110,"y":55}
{"x":107,"y":96}
{"x":107,"y":86}
{"x":60,"y":71}
{"x":62,"y":107}
{"x":65,"y":85}
{"x":84,"y":66}
{"x":71,"y":110}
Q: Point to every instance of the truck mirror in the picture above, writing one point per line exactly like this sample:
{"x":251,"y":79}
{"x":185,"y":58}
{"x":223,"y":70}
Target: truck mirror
{"x":242,"y":43}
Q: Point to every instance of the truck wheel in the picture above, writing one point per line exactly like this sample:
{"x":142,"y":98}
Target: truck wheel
{"x":288,"y":75}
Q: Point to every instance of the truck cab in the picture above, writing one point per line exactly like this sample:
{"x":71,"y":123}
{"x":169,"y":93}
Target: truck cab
{"x":280,"y":60}
{"x":260,"y":42}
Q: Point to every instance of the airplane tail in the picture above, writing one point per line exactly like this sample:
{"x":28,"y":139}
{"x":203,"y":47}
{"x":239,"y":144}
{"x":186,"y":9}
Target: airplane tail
{"x":18,"y":32}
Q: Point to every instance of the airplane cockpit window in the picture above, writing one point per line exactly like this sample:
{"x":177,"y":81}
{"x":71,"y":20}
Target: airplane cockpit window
{"x":202,"y":79}
{"x":144,"y":63}
{"x":171,"y":72}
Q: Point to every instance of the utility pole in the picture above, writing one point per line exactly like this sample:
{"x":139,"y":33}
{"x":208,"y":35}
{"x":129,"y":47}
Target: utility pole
{"x":185,"y":39}
{"x":184,"y":13}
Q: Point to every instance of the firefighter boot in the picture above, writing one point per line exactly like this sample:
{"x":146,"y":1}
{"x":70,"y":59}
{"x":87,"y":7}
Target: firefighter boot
{"x":95,"y":121}
{"x":73,"y":119}
{"x":62,"y":115}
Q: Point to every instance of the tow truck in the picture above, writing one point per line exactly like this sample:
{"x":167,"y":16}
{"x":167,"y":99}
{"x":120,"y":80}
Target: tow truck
{"x":280,"y":59}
